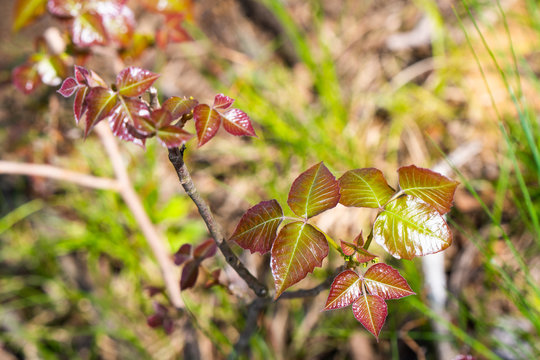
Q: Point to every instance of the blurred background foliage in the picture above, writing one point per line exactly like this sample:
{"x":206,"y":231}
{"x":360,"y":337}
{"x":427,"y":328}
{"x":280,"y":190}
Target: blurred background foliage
{"x":352,"y":83}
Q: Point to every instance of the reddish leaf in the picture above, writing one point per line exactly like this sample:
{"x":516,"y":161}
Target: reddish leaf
{"x":161,"y":118}
{"x":362,"y":255}
{"x":409,"y":227}
{"x":364,"y":188}
{"x":125,"y":120}
{"x":386,"y":282}
{"x":65,"y":8}
{"x":172,"y":31}
{"x":168,"y":325}
{"x":359,"y":240}
{"x":68,"y":87}
{"x":118,"y":21}
{"x":100,"y":102}
{"x":154,"y":320}
{"x":237,"y":122}
{"x":205,"y":250}
{"x":133,"y":81}
{"x":313,"y":192}
{"x":25,"y":78}
{"x":144,"y":126}
{"x":347,"y":248}
{"x":257,"y":229}
{"x":172,"y":136}
{"x":371,"y":311}
{"x":190,"y":272}
{"x":81,"y":75}
{"x":435,"y":189}
{"x":179,"y":106}
{"x":207,"y":122}
{"x":168,"y":6}
{"x":25,"y":11}
{"x":79,"y":104}
{"x":87,"y":29}
{"x":222,"y":102}
{"x":345,"y":289}
{"x":183,"y":254}
{"x":297,"y":250}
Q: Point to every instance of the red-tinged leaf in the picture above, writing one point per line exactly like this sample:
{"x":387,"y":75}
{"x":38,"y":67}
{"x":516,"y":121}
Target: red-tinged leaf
{"x":126,"y":119}
{"x":238,"y":123}
{"x":386,"y":282}
{"x":172,"y":31}
{"x":25,"y":78}
{"x":364,"y":188}
{"x":65,"y":8}
{"x":313,"y":192}
{"x":297,"y":250}
{"x":371,"y":311}
{"x":409,"y":227}
{"x":68,"y":87}
{"x":257,"y":229}
{"x":207,"y":122}
{"x":214,"y":279}
{"x":139,"y":43}
{"x":359,"y":240}
{"x":100,"y":102}
{"x":160,"y":309}
{"x":79,"y":104}
{"x":94,"y":80}
{"x":178,"y":106}
{"x":154,"y":320}
{"x":172,"y":136}
{"x":347,"y":248}
{"x":205,"y":250}
{"x":81,"y":75}
{"x":25,"y":11}
{"x":362,"y":255}
{"x":144,"y":126}
{"x":345,"y":289}
{"x":154,"y":290}
{"x":118,"y":21}
{"x":434,"y":188}
{"x":134,"y":81}
{"x":190,"y":272}
{"x":168,"y":325}
{"x":161,"y":118}
{"x":183,"y":254}
{"x":222,"y":102}
{"x":168,"y":6}
{"x":87,"y":29}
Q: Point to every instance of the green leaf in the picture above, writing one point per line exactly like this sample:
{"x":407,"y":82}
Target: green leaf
{"x":314,"y":191}
{"x":297,"y":250}
{"x":434,"y":188}
{"x":371,"y":311}
{"x":134,"y":81}
{"x":207,"y":122}
{"x":386,"y":282}
{"x":25,"y":11}
{"x":346,"y":289}
{"x":364,"y":188}
{"x":257,"y":229}
{"x":409,"y":227}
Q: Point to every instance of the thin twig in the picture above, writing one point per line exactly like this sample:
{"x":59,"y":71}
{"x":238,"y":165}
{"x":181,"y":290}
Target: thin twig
{"x":53,"y":172}
{"x":176,"y":156}
{"x":168,"y":269}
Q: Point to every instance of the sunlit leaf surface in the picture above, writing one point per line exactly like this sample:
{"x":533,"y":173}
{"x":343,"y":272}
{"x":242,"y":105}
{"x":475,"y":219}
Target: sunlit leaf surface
{"x":297,"y":250}
{"x":257,"y":229}
{"x":434,"y":188}
{"x":386,"y":282}
{"x":313,"y":192}
{"x":178,"y":106}
{"x":371,"y":311}
{"x":347,"y":248}
{"x":364,"y":188}
{"x":207,"y":122}
{"x":25,"y":11}
{"x":222,"y":102}
{"x":237,"y":122}
{"x":345,"y":289}
{"x":101,"y":102}
{"x":409,"y":227}
{"x":133,"y":81}
{"x":87,"y":29}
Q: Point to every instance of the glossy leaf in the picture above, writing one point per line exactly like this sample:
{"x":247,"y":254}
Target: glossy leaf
{"x":237,"y":122}
{"x":313,"y":192}
{"x":26,"y":78}
{"x":434,"y":188}
{"x":51,"y":69}
{"x":364,"y":188}
{"x":363,"y":256}
{"x":409,"y":227}
{"x":345,"y":289}
{"x":118,"y":21}
{"x":172,"y":136}
{"x":178,"y":106}
{"x":205,"y":250}
{"x":168,"y":6}
{"x":124,"y":118}
{"x":359,"y":240}
{"x":386,"y":282}
{"x":190,"y":272}
{"x":297,"y":250}
{"x":371,"y":311}
{"x":257,"y":229}
{"x":68,"y":87}
{"x":360,"y":254}
{"x":100,"y":102}
{"x":183,"y":254}
{"x":25,"y":11}
{"x":222,"y":102}
{"x":87,"y":29}
{"x":207,"y":122}
{"x":79,"y":104}
{"x":134,"y":81}
{"x":347,"y":248}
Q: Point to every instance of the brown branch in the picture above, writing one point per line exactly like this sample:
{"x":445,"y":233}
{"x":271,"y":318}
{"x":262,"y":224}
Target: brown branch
{"x":53,"y":172}
{"x":176,"y":156}
{"x":168,"y":269}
